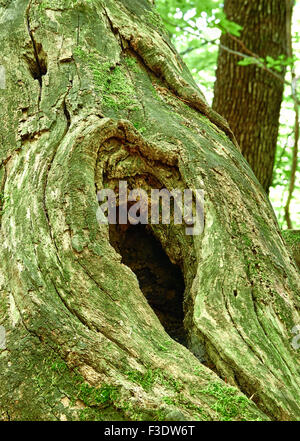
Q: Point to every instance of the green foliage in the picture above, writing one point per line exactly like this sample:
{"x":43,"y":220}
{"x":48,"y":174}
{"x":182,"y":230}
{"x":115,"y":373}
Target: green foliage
{"x":278,"y":64}
{"x":249,"y":60}
{"x":269,"y":62}
{"x":195,"y":28}
{"x":186,"y":14}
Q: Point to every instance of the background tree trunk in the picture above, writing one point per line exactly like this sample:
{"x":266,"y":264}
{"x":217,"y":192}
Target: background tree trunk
{"x":95,"y":94}
{"x":248,"y":96}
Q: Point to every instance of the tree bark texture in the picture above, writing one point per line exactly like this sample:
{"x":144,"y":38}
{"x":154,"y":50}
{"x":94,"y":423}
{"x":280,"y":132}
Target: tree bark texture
{"x":95,"y":93}
{"x":248,"y":96}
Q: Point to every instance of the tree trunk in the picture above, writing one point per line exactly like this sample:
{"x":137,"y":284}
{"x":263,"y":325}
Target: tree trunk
{"x":292,"y":239}
{"x":248,"y":96}
{"x":96,"y":94}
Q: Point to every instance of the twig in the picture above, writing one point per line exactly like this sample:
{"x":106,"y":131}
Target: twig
{"x":258,"y":63}
{"x":278,"y":164}
{"x":204,"y":42}
{"x":247,"y":53}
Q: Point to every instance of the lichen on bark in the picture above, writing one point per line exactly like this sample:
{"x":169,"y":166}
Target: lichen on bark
{"x":82,"y":342}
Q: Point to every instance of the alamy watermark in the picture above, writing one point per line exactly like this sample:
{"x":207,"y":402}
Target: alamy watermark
{"x":2,"y":77}
{"x":136,"y":206}
{"x":296,"y":339}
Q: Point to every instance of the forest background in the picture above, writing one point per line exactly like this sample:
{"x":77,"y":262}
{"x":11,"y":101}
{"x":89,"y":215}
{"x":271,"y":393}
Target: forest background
{"x":195,"y":28}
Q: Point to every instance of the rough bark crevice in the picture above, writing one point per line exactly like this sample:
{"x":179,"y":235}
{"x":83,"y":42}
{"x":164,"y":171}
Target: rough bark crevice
{"x":35,"y":56}
{"x":37,"y":61}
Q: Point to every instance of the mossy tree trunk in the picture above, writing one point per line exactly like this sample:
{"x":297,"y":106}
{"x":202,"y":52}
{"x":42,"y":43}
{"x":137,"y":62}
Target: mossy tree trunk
{"x":249,"y":97}
{"x":95,"y":93}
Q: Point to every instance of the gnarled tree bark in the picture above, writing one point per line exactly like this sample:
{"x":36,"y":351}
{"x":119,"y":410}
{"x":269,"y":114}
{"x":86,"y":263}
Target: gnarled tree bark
{"x":96,"y":94}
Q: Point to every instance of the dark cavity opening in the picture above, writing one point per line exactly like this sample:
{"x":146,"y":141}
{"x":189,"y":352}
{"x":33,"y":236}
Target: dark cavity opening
{"x":160,"y":281}
{"x":36,"y":59}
